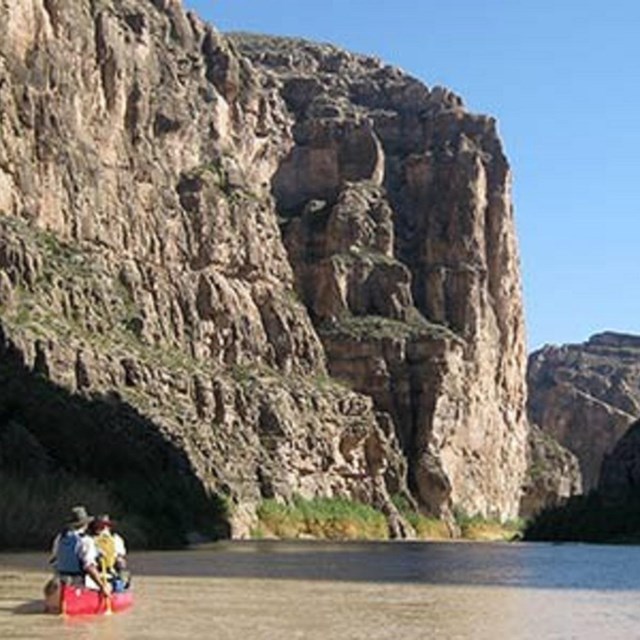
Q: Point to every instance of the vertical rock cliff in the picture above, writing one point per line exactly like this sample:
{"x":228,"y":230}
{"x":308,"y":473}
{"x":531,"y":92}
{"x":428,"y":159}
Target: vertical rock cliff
{"x":586,"y":395}
{"x":199,"y":235}
{"x":553,"y":474}
{"x":397,"y":217}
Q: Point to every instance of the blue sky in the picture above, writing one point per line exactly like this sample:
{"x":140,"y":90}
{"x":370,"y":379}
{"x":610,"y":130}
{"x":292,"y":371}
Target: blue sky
{"x":563,"y":79}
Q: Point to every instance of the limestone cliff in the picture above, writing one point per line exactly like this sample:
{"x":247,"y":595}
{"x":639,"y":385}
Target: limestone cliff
{"x":553,"y":474}
{"x":396,"y":213}
{"x":586,"y":395}
{"x":193,"y":237}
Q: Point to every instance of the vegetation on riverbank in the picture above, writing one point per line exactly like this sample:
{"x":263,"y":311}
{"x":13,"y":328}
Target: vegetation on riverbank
{"x":489,"y":529}
{"x":341,"y":519}
{"x":325,"y":518}
{"x":588,"y":519}
{"x":34,"y":509}
{"x":466,"y":527}
{"x":425,"y":528}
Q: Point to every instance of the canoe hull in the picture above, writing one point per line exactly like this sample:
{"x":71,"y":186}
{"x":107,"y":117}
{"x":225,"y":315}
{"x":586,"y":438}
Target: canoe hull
{"x":79,"y":601}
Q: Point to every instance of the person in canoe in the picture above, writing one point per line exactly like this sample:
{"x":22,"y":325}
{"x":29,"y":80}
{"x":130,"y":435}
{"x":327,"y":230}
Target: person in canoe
{"x":112,"y":552}
{"x":75,"y":558}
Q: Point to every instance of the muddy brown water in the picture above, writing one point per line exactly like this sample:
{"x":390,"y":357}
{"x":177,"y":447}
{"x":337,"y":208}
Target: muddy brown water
{"x":277,"y":590}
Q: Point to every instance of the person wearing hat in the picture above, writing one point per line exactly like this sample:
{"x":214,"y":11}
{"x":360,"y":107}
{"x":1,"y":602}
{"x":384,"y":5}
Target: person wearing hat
{"x":111,"y":550}
{"x":75,"y":555}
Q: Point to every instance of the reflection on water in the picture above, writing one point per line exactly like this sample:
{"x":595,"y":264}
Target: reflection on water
{"x":389,"y":590}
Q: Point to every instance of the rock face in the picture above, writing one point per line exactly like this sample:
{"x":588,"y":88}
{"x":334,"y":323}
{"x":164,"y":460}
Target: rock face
{"x":620,"y":476}
{"x":397,"y":219}
{"x":553,"y":474}
{"x":201,"y":237}
{"x":140,"y":251}
{"x":586,"y":396}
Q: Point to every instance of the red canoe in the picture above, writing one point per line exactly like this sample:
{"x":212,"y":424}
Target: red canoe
{"x":79,"y":601}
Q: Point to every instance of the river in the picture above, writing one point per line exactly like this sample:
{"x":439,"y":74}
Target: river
{"x":313,"y":590}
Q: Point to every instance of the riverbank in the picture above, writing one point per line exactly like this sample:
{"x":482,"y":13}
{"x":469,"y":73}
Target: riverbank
{"x":34,"y":506}
{"x":339,"y":519}
{"x":330,"y":519}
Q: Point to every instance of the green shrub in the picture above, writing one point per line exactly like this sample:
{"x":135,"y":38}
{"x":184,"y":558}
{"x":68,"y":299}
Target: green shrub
{"x":33,"y":509}
{"x":327,"y":518}
{"x":373,"y":327}
{"x":588,"y":519}
{"x":477,"y":527}
{"x":426,"y":528}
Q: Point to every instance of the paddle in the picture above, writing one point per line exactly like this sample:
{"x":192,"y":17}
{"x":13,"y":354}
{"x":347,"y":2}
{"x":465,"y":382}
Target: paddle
{"x":63,"y":602}
{"x":108,"y":608}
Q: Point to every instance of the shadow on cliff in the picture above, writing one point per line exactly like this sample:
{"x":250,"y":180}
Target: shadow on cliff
{"x":610,"y":513}
{"x":58,"y":449}
{"x":592,"y":518}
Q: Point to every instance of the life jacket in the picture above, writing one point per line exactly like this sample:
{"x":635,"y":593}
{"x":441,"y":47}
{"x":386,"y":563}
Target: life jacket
{"x":106,"y":545}
{"x":68,"y":554}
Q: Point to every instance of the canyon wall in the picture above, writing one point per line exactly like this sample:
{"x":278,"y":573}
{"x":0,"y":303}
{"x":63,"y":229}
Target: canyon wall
{"x":398,"y":221}
{"x":587,"y":395}
{"x":294,"y":269}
